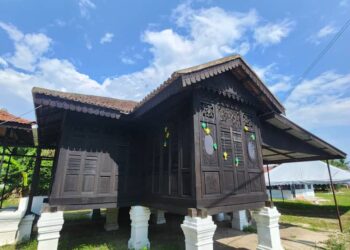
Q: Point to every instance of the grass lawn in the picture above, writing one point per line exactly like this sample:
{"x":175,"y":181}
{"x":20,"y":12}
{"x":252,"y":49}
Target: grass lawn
{"x":320,"y":217}
{"x":80,"y":232}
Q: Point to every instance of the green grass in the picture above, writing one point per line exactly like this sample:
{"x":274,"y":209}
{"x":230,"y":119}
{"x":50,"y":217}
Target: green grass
{"x":82,"y":233}
{"x":320,"y":217}
{"x":11,"y":202}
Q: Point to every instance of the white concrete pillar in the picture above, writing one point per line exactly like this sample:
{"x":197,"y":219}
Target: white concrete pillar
{"x":139,"y":228}
{"x":268,"y":229}
{"x":111,"y":223}
{"x":25,"y":228}
{"x":49,"y":227}
{"x":239,"y":220}
{"x":10,"y":219}
{"x":198,"y":233}
{"x":158,"y":217}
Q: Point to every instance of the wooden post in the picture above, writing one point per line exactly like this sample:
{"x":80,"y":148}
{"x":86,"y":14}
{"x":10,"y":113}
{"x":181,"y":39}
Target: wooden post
{"x":281,"y":188}
{"x":5,"y":179}
{"x":2,"y":158}
{"x":35,"y":180}
{"x":334,"y":197}
{"x":268,"y":175}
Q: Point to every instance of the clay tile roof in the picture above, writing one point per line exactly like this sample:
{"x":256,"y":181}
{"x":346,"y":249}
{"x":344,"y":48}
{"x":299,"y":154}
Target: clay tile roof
{"x":125,"y":106}
{"x":7,"y":117}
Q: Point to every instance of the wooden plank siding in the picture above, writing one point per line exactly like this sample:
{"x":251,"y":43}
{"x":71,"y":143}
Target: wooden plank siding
{"x":223,"y":184}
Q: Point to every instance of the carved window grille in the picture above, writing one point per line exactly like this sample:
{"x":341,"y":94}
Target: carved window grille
{"x":207,"y":111}
{"x":248,"y":121}
{"x":226,"y":145}
{"x":230,"y":116}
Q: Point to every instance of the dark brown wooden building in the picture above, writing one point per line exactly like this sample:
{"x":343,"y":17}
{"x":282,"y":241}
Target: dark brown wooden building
{"x":198,"y":141}
{"x":15,"y":131}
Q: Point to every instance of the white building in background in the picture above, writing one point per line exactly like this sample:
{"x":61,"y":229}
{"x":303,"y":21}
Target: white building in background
{"x":289,"y":192}
{"x":297,"y":180}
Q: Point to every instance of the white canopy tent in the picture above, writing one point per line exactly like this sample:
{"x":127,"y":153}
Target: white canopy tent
{"x":312,"y":172}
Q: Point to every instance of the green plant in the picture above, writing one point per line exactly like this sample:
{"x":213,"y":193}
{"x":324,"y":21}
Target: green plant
{"x":16,"y":172}
{"x":338,"y":242}
{"x":249,"y":229}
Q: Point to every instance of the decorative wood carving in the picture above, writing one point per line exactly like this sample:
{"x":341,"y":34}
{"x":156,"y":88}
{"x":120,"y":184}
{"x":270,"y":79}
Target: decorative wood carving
{"x":207,"y":111}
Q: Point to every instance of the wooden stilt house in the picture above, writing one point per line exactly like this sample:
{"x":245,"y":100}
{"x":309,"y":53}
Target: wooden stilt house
{"x":198,"y":141}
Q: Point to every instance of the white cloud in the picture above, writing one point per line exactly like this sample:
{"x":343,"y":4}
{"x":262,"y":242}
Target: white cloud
{"x":28,"y":48}
{"x":207,"y":34}
{"x":3,"y":62}
{"x":88,"y":43}
{"x":211,"y":33}
{"x":107,"y":38}
{"x":85,"y":6}
{"x":326,"y":31}
{"x":273,"y":33}
{"x":321,"y":102}
{"x":127,"y":60}
{"x":277,"y":83}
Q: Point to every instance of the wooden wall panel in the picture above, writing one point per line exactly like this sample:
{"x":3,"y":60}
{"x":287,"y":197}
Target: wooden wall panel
{"x":237,"y":173}
{"x":92,"y":158}
{"x":212,"y":182}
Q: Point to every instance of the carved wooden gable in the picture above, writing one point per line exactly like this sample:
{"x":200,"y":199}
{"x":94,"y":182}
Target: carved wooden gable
{"x":228,"y":86}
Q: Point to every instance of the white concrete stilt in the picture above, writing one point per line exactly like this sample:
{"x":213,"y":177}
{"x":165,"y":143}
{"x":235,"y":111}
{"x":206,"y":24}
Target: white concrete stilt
{"x":49,"y":227}
{"x":25,"y":228}
{"x":198,"y":233}
{"x":111,"y":223}
{"x":10,"y":219}
{"x":158,"y":217}
{"x":268,"y":229}
{"x":139,"y":228}
{"x":239,"y":220}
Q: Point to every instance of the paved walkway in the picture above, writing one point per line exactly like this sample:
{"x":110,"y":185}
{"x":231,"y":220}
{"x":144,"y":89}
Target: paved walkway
{"x":292,"y":238}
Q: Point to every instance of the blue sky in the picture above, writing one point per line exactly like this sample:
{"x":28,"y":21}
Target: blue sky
{"x":125,"y":49}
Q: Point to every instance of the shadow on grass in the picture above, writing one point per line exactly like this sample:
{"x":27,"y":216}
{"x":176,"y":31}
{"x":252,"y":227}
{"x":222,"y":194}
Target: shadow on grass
{"x":310,"y":210}
{"x":90,"y":234}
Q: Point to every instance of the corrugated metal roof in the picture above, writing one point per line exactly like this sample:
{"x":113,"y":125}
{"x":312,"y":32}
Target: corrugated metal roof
{"x":293,"y":154}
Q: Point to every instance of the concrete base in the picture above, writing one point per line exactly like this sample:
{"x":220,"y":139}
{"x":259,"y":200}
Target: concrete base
{"x":139,"y":228}
{"x":10,"y":219}
{"x":49,"y":227}
{"x":112,"y":215}
{"x":239,"y":220}
{"x":198,"y":233}
{"x":25,"y":228}
{"x":268,"y":229}
{"x":158,"y":217}
{"x":37,"y":204}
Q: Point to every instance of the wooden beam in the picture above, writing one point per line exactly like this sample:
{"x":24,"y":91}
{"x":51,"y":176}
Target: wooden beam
{"x":334,"y":197}
{"x":35,"y":180}
{"x":270,"y":189}
{"x":5,"y":181}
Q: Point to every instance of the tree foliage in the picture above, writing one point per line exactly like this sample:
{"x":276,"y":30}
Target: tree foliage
{"x":341,"y":163}
{"x":17,"y":166}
